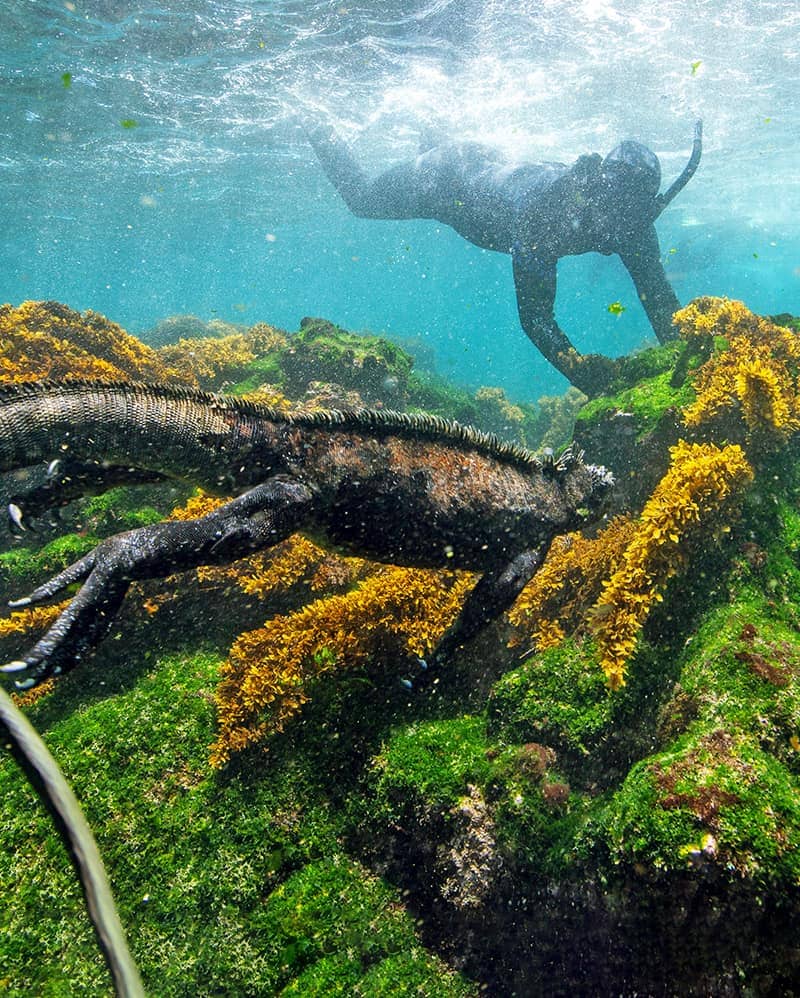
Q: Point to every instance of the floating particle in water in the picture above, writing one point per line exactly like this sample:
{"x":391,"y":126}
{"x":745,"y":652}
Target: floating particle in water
{"x":616,"y":308}
{"x":66,"y":80}
{"x":129,"y":122}
{"x":696,"y":66}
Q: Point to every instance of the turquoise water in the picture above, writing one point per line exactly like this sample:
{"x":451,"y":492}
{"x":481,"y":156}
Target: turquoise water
{"x":152,"y":163}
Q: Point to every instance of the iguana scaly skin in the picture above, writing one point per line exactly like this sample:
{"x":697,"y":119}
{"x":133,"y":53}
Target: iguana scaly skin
{"x":409,"y":490}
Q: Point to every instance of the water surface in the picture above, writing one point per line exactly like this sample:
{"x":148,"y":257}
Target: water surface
{"x":151,"y":159}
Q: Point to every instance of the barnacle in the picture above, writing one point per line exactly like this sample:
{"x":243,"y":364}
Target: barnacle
{"x":396,"y":612}
{"x":696,"y":488}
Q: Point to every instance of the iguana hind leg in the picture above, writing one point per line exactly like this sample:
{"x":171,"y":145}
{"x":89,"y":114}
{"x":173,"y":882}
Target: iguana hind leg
{"x":260,"y":518}
{"x":68,"y":479}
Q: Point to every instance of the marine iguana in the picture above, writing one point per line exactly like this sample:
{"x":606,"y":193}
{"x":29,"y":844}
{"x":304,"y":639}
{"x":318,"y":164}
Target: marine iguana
{"x":414,"y":490}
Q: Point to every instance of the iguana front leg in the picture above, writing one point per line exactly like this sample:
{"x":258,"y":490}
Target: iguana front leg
{"x":493,"y":594}
{"x":260,"y":518}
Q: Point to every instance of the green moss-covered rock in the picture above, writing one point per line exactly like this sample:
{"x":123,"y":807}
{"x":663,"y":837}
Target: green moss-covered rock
{"x":372,"y":365}
{"x":645,"y":364}
{"x":262,"y":371}
{"x":414,"y":972}
{"x":22,"y":563}
{"x":788,"y":320}
{"x":338,"y":974}
{"x":714,"y":799}
{"x":646,"y":402}
{"x":232,"y":884}
{"x":432,"y":762}
{"x":559,"y":698}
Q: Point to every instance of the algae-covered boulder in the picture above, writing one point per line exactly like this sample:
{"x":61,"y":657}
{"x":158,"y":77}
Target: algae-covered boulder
{"x":600,"y":795}
{"x":372,"y":365}
{"x":189,"y":327}
{"x":46,"y":339}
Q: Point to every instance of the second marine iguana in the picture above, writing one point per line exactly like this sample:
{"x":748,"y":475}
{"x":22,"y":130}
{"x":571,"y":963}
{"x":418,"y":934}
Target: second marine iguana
{"x":412,"y":490}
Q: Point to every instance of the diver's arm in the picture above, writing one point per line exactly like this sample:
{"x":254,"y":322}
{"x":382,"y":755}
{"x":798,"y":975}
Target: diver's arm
{"x":642,"y":259}
{"x":535,"y":284}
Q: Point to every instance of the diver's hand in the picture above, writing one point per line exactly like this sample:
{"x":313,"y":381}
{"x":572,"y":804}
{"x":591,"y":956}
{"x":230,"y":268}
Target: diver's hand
{"x":592,"y":373}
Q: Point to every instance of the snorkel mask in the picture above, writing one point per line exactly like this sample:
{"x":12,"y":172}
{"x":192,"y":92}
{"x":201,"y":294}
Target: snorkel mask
{"x":634,"y":169}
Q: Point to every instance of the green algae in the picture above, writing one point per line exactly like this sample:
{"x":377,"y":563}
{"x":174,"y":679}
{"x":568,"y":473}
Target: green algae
{"x":264,"y":370}
{"x":432,"y":761}
{"x":333,"y":925}
{"x":645,"y":364}
{"x":119,"y":509}
{"x":29,"y":563}
{"x":232,"y":884}
{"x":560,"y":698}
{"x":648,"y":400}
{"x":414,"y":972}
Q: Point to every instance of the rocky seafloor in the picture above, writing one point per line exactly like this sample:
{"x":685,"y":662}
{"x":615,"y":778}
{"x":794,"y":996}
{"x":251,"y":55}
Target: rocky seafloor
{"x":529,"y":825}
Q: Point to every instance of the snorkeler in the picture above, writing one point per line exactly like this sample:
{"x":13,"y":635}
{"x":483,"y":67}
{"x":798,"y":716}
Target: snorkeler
{"x":537,"y":213}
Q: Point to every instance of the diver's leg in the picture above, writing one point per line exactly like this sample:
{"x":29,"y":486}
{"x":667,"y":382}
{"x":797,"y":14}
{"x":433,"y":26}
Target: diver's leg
{"x":258,"y":519}
{"x":409,"y":190}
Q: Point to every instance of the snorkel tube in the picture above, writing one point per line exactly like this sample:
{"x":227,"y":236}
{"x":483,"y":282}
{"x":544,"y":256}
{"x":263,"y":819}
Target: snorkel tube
{"x":662,"y":200}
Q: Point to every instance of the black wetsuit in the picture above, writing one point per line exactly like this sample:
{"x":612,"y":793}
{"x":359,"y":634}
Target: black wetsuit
{"x":535,"y":212}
